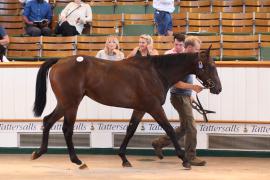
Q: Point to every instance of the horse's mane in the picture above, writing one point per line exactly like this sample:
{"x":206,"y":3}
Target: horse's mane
{"x":170,"y":60}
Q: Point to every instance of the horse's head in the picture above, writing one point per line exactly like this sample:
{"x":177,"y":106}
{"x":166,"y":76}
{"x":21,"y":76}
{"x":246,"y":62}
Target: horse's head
{"x":206,"y":72}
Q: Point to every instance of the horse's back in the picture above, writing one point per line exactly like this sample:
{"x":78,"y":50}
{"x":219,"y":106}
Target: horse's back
{"x":127,"y":83}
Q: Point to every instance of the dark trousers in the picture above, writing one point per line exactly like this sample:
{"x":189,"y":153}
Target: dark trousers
{"x":188,"y":127}
{"x":32,"y":30}
{"x":2,"y":52}
{"x":66,"y":29}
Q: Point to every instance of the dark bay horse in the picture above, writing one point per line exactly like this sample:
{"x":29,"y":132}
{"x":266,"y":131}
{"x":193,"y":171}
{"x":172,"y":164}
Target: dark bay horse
{"x":137,"y":83}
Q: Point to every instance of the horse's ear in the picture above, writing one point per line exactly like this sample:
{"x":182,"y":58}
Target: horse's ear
{"x":209,"y":48}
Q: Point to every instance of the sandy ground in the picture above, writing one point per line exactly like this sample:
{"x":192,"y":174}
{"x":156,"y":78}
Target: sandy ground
{"x":107,"y":167}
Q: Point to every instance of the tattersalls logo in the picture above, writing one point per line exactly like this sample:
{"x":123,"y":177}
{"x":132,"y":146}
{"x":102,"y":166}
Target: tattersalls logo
{"x":156,"y":127}
{"x":224,"y":128}
{"x":77,"y":127}
{"x":146,"y":127}
{"x":261,"y":129}
{"x":112,"y":127}
{"x":18,"y":127}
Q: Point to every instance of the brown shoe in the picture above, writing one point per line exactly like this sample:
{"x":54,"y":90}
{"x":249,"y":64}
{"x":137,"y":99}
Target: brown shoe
{"x":158,"y":149}
{"x":197,"y":162}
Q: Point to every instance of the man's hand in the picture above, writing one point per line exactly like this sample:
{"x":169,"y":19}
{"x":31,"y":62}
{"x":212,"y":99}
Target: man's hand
{"x":197,"y":88}
{"x":150,"y":48}
{"x":44,"y":24}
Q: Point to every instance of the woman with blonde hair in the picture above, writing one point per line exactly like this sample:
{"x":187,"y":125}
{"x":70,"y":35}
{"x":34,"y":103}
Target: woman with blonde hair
{"x":145,"y":47}
{"x":111,"y":50}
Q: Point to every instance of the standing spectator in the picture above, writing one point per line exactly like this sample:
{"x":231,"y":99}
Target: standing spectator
{"x":73,"y":18}
{"x":26,"y":1}
{"x":4,"y":40}
{"x":37,"y":16}
{"x":111,"y":50}
{"x":181,"y":101}
{"x":145,"y":47}
{"x":163,"y":17}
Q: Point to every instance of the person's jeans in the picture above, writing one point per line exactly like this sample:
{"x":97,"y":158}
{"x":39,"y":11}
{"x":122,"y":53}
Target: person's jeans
{"x":163,"y":22}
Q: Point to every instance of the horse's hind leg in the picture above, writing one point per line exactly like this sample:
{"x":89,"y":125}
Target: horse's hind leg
{"x":133,"y":124}
{"x":68,"y":126}
{"x":48,"y":122}
{"x":159,"y":115}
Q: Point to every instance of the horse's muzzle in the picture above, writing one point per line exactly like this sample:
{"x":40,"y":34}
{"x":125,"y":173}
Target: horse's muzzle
{"x":214,"y":89}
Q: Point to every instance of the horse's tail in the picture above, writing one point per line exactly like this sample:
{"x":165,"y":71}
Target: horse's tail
{"x":41,"y":87}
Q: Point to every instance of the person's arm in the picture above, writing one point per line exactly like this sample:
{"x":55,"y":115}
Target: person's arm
{"x":194,"y":87}
{"x":63,"y":14}
{"x":151,"y":50}
{"x":167,"y":52}
{"x":49,"y":14}
{"x":122,"y":55}
{"x":5,"y":40}
{"x":133,"y":52}
{"x":26,"y":14}
{"x":98,"y":55}
{"x":26,"y":20}
{"x":119,"y":54}
{"x":154,"y":52}
{"x":87,"y":17}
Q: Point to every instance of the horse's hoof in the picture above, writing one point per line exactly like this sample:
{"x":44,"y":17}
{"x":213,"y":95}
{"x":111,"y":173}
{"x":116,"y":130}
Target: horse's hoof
{"x":126,"y":164}
{"x":83,"y":166}
{"x":34,"y":156}
{"x":186,"y":165}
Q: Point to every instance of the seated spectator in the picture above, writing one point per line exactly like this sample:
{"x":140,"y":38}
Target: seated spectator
{"x":37,"y":16}
{"x":73,"y":18}
{"x":4,"y":40}
{"x":111,"y":50}
{"x":145,"y":47}
{"x":23,"y":2}
{"x":178,"y":44}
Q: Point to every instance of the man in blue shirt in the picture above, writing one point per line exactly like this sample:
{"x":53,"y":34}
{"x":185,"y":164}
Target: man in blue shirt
{"x":4,"y":40}
{"x":37,"y":16}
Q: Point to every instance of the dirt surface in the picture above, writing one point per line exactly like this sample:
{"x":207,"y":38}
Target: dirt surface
{"x":107,"y":167}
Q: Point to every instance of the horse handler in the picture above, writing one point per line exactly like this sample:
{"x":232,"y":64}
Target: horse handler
{"x":181,"y":101}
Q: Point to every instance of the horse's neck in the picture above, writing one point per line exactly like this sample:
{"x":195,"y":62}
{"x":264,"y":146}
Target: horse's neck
{"x":173,"y":68}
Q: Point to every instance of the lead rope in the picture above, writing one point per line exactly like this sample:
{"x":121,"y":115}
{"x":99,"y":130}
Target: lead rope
{"x":198,"y":107}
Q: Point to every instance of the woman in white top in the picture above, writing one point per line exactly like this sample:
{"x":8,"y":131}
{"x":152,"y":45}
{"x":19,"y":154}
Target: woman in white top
{"x":111,"y":50}
{"x":73,"y":17}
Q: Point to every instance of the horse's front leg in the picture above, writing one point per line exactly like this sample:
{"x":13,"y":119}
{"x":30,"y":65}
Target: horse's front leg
{"x":133,"y":124}
{"x":160,"y":116}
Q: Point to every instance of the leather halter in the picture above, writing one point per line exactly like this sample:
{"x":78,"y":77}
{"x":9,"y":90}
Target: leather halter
{"x":208,"y":85}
